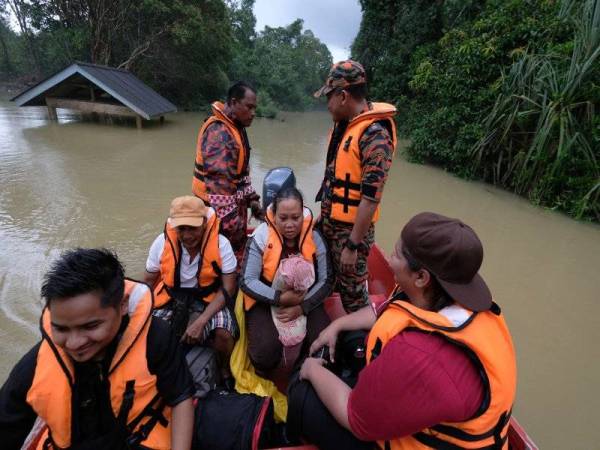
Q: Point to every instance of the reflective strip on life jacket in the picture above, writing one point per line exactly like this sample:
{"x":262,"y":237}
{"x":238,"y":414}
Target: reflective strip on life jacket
{"x":274,"y":248}
{"x":346,"y":184}
{"x":133,"y":391}
{"x":485,"y":338}
{"x":209,"y":264}
{"x":198,"y":181}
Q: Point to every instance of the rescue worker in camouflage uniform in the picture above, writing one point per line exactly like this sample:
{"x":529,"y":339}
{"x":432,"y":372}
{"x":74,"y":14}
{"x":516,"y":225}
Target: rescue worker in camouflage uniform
{"x":359,"y":156}
{"x":221,"y":171}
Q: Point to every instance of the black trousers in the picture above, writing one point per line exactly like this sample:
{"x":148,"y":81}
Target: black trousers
{"x":308,"y":419}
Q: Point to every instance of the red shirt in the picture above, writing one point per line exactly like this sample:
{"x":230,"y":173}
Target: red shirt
{"x":418,"y":381}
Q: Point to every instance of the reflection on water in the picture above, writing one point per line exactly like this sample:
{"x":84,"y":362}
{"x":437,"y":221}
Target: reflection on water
{"x":86,"y":184}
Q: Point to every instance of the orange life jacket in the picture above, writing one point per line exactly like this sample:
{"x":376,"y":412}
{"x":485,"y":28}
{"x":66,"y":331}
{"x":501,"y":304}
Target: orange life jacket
{"x":209,"y":264}
{"x":133,"y":389}
{"x":486,"y":339}
{"x":198,"y":184}
{"x":274,"y":247}
{"x":348,"y":163}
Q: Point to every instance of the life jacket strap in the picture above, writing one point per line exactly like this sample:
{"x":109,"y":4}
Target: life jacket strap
{"x":156,"y":416}
{"x":127,"y":404}
{"x":456,"y":433}
{"x":199,"y":293}
{"x":348,"y":186}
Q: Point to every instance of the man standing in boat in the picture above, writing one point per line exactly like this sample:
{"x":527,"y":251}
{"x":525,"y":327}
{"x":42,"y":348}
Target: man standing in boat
{"x":359,"y":155}
{"x":105,"y":373}
{"x":221,"y":171}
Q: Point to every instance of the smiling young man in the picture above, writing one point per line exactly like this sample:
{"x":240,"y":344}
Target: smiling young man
{"x":221,"y":171}
{"x":359,"y":155}
{"x":105,"y":374}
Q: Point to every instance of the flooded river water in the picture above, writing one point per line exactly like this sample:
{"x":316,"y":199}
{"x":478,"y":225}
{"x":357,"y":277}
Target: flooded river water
{"x":79,"y":183}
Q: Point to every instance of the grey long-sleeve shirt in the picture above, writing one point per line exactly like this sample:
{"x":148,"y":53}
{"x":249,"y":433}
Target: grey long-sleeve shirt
{"x":252,"y":285}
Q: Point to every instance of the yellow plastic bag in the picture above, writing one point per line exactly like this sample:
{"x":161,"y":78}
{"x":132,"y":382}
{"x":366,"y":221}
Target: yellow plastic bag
{"x":246,"y":379}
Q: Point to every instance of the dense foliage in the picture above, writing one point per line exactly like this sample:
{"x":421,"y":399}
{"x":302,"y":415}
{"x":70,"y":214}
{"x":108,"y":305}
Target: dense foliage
{"x":504,"y":90}
{"x":189,"y":50}
{"x":286,"y":64}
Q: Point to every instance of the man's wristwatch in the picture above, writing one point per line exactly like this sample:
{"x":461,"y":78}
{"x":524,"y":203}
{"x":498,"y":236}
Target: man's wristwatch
{"x":351,"y":245}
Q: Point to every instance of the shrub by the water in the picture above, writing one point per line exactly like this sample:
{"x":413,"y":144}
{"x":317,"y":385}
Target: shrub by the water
{"x":459,"y":79}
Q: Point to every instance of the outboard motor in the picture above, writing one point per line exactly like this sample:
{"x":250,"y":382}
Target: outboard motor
{"x":276,"y":179}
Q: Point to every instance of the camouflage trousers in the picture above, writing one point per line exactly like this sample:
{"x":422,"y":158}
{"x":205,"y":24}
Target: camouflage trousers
{"x":234,"y":227}
{"x":351,"y":286}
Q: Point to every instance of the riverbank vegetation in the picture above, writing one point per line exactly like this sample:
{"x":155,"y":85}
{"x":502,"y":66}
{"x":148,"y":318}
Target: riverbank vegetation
{"x":188,"y":50}
{"x":501,"y":90}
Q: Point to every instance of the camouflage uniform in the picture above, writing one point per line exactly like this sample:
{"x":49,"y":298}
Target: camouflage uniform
{"x":220,"y":156}
{"x":376,"y":151}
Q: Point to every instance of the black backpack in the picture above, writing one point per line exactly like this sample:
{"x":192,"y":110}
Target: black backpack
{"x":231,"y":421}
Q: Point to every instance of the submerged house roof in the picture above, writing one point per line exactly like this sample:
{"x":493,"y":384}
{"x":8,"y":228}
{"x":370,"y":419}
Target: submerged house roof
{"x":116,"y":86}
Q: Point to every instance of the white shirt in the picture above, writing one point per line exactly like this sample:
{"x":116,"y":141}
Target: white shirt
{"x":455,"y":314}
{"x":189,"y":269}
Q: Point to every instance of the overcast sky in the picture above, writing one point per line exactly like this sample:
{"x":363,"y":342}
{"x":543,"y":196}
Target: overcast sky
{"x":334,"y":22}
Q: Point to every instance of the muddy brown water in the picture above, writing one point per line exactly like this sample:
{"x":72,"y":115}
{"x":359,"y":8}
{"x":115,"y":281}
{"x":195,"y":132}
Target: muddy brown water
{"x":78,"y":183}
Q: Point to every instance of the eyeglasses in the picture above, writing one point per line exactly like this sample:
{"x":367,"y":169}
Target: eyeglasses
{"x":335,"y":91}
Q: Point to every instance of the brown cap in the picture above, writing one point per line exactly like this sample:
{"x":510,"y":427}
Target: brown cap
{"x":453,"y":253}
{"x":343,"y":74}
{"x":187,"y":210}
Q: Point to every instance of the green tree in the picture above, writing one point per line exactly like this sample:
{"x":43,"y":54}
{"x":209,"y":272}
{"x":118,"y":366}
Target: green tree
{"x":182,"y":47}
{"x":448,"y":64}
{"x":541,"y":138}
{"x":287,"y":63}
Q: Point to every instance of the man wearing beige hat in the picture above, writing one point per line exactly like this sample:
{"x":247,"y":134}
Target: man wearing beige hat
{"x":192,"y":269}
{"x":359,"y":155}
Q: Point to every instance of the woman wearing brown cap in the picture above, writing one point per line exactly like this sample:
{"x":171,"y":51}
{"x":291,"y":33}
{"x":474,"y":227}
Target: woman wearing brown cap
{"x":441,"y":367}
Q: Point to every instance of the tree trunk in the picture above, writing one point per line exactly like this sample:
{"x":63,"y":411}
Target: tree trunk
{"x":17,"y":8}
{"x":8,"y":68}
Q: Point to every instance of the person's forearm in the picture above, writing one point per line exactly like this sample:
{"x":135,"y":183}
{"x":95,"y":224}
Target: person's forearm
{"x":250,"y":282}
{"x":182,"y":425}
{"x":333,"y":392}
{"x":150,"y":278}
{"x":364,"y":217}
{"x":363,"y":319}
{"x":213,"y":307}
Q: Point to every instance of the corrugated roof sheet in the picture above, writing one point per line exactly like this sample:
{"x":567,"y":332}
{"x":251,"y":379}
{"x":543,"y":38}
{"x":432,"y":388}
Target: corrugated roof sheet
{"x":120,"y":84}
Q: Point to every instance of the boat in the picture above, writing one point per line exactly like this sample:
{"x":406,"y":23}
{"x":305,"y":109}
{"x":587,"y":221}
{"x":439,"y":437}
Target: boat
{"x":380,"y":284}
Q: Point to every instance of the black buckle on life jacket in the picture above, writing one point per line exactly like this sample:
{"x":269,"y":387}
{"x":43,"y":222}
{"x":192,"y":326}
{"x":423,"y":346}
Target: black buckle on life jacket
{"x":348,"y":186}
{"x":156,"y":416}
{"x":347,"y":144}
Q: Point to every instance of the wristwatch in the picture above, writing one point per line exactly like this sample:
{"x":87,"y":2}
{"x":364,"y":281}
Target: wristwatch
{"x":351,"y":245}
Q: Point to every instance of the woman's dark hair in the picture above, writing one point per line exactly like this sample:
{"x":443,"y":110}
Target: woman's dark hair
{"x":440,"y":297}
{"x":285,"y":194}
{"x":238,"y":91}
{"x":84,"y":270}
